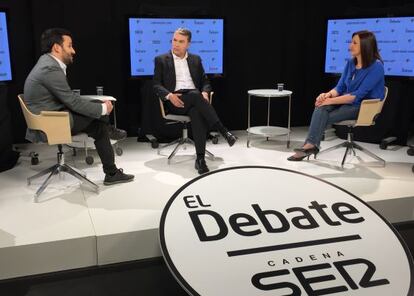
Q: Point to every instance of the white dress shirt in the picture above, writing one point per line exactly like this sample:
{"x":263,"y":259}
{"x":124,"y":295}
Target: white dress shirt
{"x":182,"y":73}
{"x":61,"y":64}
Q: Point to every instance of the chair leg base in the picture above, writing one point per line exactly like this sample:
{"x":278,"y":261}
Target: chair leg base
{"x":210,"y":155}
{"x":369,"y":153}
{"x":55,"y":170}
{"x":161,"y":147}
{"x":180,"y":143}
{"x":350,"y":147}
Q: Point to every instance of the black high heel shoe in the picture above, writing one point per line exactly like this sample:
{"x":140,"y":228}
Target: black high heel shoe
{"x":301,"y":149}
{"x":306,"y":153}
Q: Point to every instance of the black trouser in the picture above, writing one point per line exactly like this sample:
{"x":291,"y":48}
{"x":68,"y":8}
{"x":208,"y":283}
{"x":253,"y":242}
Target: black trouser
{"x":97,"y":129}
{"x":202,"y":114}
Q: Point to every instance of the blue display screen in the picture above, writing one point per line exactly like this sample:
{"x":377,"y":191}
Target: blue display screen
{"x":395,"y":38}
{"x":5,"y":69}
{"x":150,"y":37}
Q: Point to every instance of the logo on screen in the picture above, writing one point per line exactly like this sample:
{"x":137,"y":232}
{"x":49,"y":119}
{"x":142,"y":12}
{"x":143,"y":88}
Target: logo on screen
{"x":5,"y":66}
{"x":393,"y":37}
{"x":269,"y":231}
{"x":155,"y":38}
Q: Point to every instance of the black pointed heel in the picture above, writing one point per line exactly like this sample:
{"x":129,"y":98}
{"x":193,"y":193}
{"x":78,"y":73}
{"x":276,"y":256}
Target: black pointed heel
{"x":307,"y":153}
{"x":300,"y":158}
{"x":310,"y":151}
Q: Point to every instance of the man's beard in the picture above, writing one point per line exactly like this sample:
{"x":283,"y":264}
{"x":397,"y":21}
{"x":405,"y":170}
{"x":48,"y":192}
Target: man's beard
{"x":68,"y":60}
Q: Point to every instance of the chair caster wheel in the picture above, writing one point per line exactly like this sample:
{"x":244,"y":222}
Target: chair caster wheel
{"x":34,"y":161}
{"x":385,"y":142}
{"x":215,"y":140}
{"x":34,"y":158}
{"x":383,"y":146}
{"x":154,"y":144}
{"x":89,"y":159}
{"x":119,"y":151}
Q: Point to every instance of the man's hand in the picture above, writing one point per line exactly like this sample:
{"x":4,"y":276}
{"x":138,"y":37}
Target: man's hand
{"x":175,"y":100}
{"x":205,"y":96}
{"x":109,"y":106}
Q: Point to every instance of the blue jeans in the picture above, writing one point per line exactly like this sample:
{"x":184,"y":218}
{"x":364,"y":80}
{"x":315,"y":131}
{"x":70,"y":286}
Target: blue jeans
{"x":326,"y":115}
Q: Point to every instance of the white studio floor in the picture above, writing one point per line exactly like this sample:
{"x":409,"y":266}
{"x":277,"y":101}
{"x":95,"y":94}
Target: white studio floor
{"x":72,"y":227}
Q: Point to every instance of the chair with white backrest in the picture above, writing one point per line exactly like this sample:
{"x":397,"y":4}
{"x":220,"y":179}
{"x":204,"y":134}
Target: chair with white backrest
{"x":184,"y":120}
{"x":368,"y":113}
{"x":56,"y":127}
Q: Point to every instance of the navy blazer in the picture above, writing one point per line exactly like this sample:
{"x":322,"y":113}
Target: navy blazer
{"x":164,"y":79}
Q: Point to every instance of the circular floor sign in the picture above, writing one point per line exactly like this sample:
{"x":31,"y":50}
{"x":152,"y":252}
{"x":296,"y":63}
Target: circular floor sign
{"x":269,"y":231}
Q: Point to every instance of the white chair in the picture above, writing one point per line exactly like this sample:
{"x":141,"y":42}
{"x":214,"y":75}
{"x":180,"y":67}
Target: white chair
{"x":56,"y":126}
{"x":183,"y":120}
{"x":410,"y":151}
{"x":368,"y":113}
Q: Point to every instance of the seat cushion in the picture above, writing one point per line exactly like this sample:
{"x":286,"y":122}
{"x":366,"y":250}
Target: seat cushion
{"x":81,"y":137}
{"x":346,"y":122}
{"x":81,"y":140}
{"x":180,"y":118}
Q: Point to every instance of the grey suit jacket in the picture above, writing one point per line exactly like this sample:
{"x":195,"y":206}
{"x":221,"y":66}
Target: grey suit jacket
{"x":164,"y":79}
{"x":47,"y":89}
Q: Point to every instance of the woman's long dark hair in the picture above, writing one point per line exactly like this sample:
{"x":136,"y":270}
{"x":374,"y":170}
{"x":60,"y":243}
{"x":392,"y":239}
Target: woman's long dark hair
{"x":369,"y":48}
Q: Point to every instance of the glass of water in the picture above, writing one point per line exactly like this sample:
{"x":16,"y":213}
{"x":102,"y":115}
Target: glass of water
{"x":99,"y":90}
{"x":280,"y":86}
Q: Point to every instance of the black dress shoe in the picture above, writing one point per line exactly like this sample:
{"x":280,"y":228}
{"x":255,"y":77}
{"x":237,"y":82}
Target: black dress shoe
{"x":230,"y":138}
{"x":201,"y":166}
{"x":118,"y":177}
{"x":116,"y":133}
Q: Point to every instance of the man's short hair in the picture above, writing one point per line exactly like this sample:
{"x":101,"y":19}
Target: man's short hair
{"x":184,"y":32}
{"x":51,"y":36}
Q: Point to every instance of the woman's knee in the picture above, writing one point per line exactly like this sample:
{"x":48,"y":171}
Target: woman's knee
{"x":322,"y":108}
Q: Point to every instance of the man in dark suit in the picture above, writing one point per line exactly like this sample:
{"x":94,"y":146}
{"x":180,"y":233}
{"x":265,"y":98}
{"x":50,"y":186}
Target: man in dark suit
{"x":46,"y":88}
{"x":180,"y":81}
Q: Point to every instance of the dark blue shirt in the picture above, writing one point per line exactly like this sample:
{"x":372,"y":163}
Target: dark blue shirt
{"x":364,"y":83}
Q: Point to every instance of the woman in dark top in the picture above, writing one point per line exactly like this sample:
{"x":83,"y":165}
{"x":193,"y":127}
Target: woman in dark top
{"x":362,"y":78}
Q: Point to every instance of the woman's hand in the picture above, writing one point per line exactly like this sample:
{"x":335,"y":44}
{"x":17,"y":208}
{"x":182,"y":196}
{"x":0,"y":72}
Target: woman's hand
{"x":321,"y":99}
{"x":325,"y":102}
